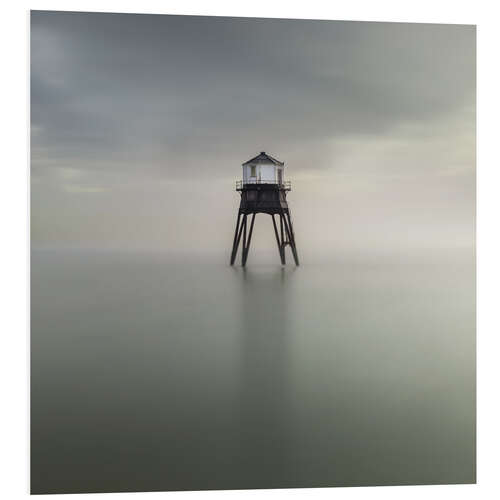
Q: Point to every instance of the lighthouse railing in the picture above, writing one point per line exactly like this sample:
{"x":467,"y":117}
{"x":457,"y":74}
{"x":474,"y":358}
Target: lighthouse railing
{"x":285,"y":185}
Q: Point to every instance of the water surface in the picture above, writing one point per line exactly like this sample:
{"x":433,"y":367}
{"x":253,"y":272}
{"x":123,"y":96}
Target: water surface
{"x":156,"y":372}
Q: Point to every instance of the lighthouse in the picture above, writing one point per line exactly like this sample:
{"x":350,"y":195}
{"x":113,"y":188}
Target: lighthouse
{"x":263,"y":190}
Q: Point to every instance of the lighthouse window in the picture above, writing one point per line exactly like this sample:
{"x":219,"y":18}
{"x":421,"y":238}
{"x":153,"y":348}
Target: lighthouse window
{"x":252,"y":171}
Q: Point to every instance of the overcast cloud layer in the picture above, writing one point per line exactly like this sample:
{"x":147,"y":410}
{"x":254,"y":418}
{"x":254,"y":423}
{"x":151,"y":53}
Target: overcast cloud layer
{"x":140,"y":123}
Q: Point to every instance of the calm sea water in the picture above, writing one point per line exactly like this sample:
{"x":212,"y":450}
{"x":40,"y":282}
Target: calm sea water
{"x":152,"y":372}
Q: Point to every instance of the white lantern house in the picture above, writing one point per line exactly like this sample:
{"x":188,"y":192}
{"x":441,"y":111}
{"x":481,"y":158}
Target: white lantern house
{"x":263,"y":169}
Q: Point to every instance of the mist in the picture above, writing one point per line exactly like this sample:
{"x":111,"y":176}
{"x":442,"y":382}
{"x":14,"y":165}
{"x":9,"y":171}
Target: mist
{"x":140,"y":124}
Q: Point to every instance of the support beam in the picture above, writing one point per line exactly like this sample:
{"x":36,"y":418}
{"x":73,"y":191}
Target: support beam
{"x":280,"y":246}
{"x":283,"y":241}
{"x":291,"y":238}
{"x":247,"y":243}
{"x":243,"y":244}
{"x":238,"y":239}
{"x":235,"y":246}
{"x":294,"y":245}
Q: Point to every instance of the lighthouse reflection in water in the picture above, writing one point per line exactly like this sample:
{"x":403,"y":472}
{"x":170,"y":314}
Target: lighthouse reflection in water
{"x":206,"y":376}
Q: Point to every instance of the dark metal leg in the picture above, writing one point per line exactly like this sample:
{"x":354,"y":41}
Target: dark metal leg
{"x":247,"y":243}
{"x":280,"y":246}
{"x":243,"y":245}
{"x":283,"y":242}
{"x":235,"y":246}
{"x":294,"y":246}
{"x":240,"y":232}
{"x":291,"y":237}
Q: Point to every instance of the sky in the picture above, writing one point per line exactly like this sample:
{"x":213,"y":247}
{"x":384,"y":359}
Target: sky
{"x":140,"y":124}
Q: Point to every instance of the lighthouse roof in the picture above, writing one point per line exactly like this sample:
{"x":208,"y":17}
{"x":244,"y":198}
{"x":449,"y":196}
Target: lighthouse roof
{"x":263,"y":157}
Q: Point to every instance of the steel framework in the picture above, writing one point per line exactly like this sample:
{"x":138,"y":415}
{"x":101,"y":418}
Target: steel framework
{"x":268,"y":199}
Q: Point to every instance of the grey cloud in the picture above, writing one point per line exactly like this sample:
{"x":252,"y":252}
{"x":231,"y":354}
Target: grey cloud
{"x":170,"y":83}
